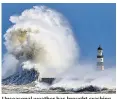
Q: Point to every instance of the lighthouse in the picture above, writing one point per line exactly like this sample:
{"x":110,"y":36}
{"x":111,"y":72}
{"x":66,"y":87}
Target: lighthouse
{"x":100,"y":58}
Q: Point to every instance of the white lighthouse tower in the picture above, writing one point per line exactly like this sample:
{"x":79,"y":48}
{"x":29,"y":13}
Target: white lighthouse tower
{"x":100,"y":58}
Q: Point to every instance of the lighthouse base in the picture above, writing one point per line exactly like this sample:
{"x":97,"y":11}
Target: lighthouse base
{"x":100,"y":67}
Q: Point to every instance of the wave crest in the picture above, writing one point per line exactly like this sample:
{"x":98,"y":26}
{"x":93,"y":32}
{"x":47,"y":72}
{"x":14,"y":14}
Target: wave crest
{"x":41,"y":38}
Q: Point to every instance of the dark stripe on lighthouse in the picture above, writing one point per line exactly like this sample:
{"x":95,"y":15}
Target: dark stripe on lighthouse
{"x":100,"y":56}
{"x":100,"y":64}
